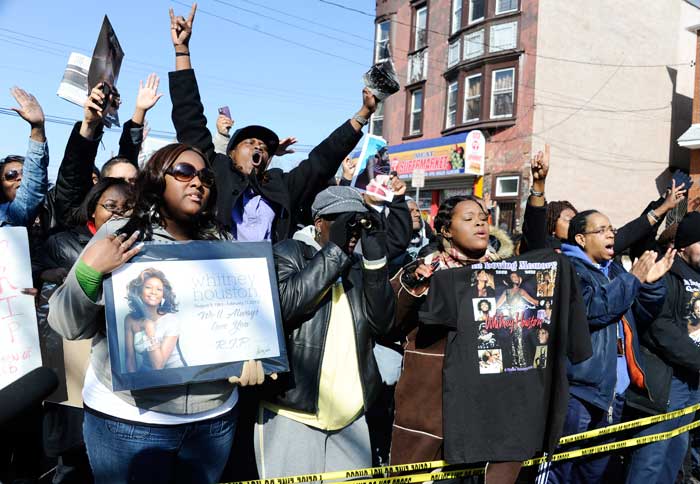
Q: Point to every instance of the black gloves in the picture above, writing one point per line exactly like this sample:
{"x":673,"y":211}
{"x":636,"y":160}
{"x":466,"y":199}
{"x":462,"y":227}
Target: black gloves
{"x":340,"y":231}
{"x":373,"y":237}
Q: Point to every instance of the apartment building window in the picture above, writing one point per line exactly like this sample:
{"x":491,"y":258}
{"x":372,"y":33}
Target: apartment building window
{"x":420,"y":39}
{"x":451,"y":117}
{"x":474,"y":44}
{"x":472,"y":98}
{"x":456,"y":16}
{"x":453,"y":53}
{"x":506,"y":6}
{"x":503,"y":36}
{"x":502,"y":92}
{"x":381,"y":48}
{"x":376,"y":122}
{"x":415,"y":125}
{"x":477,"y":10}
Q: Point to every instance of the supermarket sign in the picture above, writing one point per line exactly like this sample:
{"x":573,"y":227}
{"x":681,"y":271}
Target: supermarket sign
{"x":445,"y":156}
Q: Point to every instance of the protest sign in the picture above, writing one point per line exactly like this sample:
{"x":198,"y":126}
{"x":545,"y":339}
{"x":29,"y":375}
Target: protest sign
{"x":19,"y":336}
{"x":106,"y":62}
{"x":372,"y":169}
{"x":187,"y":312}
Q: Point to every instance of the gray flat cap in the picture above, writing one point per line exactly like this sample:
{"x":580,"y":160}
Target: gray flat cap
{"x":337,"y":199}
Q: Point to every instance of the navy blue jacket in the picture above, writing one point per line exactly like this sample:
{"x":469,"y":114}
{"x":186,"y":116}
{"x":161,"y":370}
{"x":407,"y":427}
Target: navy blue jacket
{"x":607,"y":301}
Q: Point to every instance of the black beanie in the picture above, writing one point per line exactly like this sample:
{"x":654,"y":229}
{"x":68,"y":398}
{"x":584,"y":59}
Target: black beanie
{"x":688,"y":230}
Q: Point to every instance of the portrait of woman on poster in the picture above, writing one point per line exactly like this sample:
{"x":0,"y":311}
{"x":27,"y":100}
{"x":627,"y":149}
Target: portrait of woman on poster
{"x":151,"y":330}
{"x":515,"y":298}
{"x":484,"y":284}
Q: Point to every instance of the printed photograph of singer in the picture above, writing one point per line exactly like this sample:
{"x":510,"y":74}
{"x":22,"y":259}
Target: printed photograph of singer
{"x":151,"y":328}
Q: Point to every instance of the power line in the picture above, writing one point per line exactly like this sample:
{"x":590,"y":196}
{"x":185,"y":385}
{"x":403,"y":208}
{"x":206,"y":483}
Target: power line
{"x":344,"y":7}
{"x":277,"y":37}
{"x":129,"y":60}
{"x":321,"y":34}
{"x":313,"y":22}
{"x":598,"y":91}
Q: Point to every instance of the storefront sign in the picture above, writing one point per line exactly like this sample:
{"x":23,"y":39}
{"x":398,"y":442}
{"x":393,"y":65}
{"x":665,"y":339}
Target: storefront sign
{"x":443,"y":156}
{"x":476,"y":151}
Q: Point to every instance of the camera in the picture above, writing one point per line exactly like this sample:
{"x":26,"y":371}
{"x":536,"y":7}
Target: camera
{"x":360,"y":221}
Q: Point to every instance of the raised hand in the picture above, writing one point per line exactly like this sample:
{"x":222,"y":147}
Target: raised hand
{"x":284,"y":147}
{"x":397,"y":185}
{"x":660,"y":268}
{"x":181,"y":28}
{"x":369,"y":102}
{"x":642,"y":266}
{"x":348,"y":168}
{"x":29,"y":108}
{"x":674,"y":196}
{"x":111,"y":253}
{"x":93,"y":111}
{"x":223,"y":124}
{"x":539,"y":165}
{"x":148,"y":94}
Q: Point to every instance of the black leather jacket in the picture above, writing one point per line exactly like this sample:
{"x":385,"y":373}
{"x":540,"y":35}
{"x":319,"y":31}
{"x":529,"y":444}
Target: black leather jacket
{"x":305,"y":276}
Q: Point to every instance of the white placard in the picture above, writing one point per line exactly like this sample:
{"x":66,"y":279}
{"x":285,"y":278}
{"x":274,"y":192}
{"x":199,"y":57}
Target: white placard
{"x":19,"y":335}
{"x":74,"y":85}
{"x":418,"y":178}
{"x":223,"y":308}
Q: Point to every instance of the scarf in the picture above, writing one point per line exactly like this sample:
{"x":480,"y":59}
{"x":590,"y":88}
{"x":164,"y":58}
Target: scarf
{"x":452,"y":257}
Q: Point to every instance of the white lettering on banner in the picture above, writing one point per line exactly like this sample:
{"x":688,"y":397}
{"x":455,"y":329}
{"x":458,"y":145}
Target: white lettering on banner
{"x":19,"y":335}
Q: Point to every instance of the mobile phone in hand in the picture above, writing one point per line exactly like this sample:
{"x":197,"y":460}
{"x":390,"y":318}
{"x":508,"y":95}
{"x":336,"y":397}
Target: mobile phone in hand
{"x":225,"y":111}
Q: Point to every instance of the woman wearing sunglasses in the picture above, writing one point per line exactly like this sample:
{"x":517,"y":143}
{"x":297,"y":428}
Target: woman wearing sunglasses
{"x":173,"y":434}
{"x":110,"y":197}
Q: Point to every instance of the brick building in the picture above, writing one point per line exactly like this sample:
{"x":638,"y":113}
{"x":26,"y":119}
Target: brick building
{"x":606,"y":85}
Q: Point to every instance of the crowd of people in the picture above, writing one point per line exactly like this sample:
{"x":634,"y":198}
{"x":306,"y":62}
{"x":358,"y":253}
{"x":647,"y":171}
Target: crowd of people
{"x":406,"y":341}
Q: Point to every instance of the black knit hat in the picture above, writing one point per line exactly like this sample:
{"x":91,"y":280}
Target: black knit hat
{"x":688,"y":230}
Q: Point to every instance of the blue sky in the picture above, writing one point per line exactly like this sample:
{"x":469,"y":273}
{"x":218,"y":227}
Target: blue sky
{"x":239,"y":57}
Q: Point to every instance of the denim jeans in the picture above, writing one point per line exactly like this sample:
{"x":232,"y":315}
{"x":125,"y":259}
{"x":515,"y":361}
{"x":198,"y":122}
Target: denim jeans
{"x":659,"y":462}
{"x":580,"y":417}
{"x":123,"y":452}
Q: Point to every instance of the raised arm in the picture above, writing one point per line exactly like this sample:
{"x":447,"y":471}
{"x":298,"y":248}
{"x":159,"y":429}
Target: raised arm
{"x":646,"y":225}
{"x":535,"y":219}
{"x":311,"y":175}
{"x":188,"y":111}
{"x":35,"y":182}
{"x":132,"y":132}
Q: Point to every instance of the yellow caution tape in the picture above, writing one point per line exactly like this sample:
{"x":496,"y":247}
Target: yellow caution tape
{"x":629,"y":425}
{"x":382,"y":473}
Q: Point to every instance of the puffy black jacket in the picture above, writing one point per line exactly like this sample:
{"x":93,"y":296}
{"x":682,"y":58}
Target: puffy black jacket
{"x":667,"y":348}
{"x":288,"y":193}
{"x":306,"y":276}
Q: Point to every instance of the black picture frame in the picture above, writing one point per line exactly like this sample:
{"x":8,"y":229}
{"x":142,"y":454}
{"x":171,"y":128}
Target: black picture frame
{"x":192,"y":251}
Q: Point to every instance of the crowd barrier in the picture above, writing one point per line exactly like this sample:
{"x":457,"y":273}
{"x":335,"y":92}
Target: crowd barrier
{"x":414,"y":473}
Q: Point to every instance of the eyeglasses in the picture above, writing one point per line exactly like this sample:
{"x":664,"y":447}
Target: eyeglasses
{"x":12,"y":175}
{"x":117,"y":210}
{"x":185,"y":172}
{"x":601,"y":231}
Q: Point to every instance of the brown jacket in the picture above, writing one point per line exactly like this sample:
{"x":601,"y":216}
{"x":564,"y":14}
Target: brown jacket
{"x":417,"y":432}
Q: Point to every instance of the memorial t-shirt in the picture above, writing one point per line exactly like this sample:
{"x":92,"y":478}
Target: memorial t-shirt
{"x":505,"y":389}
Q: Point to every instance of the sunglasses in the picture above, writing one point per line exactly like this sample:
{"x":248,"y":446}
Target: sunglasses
{"x":12,"y":175}
{"x":117,"y":210}
{"x":184,"y":172}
